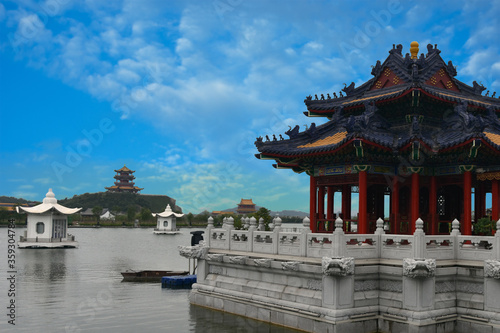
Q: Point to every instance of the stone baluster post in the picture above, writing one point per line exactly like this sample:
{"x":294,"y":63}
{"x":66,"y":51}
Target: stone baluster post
{"x":455,"y":231}
{"x":261,"y":227}
{"x":338,"y":244}
{"x":276,"y":233}
{"x":229,"y":228}
{"x":251,"y":229}
{"x":378,"y":234}
{"x":208,"y":230}
{"x":303,"y":236}
{"x":419,"y":246}
{"x":497,"y":241}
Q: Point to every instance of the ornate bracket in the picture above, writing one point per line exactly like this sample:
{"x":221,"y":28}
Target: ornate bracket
{"x":290,"y":265}
{"x":419,"y":268}
{"x":262,"y":262}
{"x":464,"y":168}
{"x":337,"y":266}
{"x":214,"y":257}
{"x":193,"y":252}
{"x":359,"y":168}
{"x":240,"y":260}
{"x":492,"y":269}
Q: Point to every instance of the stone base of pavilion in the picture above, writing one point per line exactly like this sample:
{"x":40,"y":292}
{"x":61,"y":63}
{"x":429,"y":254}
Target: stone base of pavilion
{"x":166,"y":232}
{"x":341,"y":282}
{"x":53,"y":243}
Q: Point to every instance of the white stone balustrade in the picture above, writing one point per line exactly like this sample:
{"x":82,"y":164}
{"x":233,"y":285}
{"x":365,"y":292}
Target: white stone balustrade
{"x":359,"y":246}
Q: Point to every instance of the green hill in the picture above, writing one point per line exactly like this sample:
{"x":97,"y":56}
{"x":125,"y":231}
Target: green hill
{"x":155,"y":203}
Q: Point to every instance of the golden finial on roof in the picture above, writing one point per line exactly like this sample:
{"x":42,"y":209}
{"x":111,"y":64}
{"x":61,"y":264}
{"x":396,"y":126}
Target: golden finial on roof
{"x":414,"y":50}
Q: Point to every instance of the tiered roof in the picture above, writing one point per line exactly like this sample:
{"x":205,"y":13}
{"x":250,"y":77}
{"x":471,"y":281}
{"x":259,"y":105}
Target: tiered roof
{"x":124,"y":181}
{"x":412,"y":105}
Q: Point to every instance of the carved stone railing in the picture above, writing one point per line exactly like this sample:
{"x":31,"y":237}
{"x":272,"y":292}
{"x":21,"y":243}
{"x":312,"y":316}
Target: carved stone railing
{"x":359,"y":246}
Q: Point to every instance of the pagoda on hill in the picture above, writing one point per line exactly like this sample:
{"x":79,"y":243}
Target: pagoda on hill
{"x":246,"y":206}
{"x":124,"y":181}
{"x":413,"y":141}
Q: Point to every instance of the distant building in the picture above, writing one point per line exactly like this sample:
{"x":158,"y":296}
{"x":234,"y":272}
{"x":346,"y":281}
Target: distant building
{"x":47,"y":225}
{"x":246,"y":206}
{"x":166,"y":222}
{"x":124,"y":181}
{"x":105,"y":214}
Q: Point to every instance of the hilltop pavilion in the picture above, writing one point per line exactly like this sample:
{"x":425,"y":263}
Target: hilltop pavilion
{"x":124,"y":181}
{"x":246,"y":206}
{"x":413,"y":141}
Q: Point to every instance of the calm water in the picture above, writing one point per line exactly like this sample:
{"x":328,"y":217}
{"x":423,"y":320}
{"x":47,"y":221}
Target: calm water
{"x":81,"y":290}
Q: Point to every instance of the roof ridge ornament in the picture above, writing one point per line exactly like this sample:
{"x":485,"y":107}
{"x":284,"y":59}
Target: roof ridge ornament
{"x":414,"y":50}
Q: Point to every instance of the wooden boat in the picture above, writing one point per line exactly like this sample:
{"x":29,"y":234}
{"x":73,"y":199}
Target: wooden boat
{"x":149,"y":276}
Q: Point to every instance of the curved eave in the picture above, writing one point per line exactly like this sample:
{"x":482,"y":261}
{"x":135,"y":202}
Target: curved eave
{"x":453,"y":98}
{"x":44,"y":208}
{"x":353,"y":103}
{"x":165,"y":215}
{"x":323,"y":150}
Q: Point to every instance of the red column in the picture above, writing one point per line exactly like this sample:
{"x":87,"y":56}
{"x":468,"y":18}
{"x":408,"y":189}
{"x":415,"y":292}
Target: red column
{"x":362,"y":208}
{"x":467,"y":222}
{"x":494,"y":200}
{"x":329,"y":203}
{"x":433,"y":206}
{"x":321,"y":206}
{"x":414,"y":208}
{"x":395,"y":205}
{"x":346,"y":202}
{"x":312,"y":203}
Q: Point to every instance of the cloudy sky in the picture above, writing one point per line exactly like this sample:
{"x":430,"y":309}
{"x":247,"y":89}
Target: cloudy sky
{"x":179,"y":90}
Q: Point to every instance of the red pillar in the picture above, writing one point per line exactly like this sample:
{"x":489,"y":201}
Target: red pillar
{"x":433,"y":206}
{"x":329,"y":203}
{"x":312,"y":203}
{"x":321,"y":207}
{"x":395,"y":205}
{"x":494,"y":200}
{"x":346,"y":202}
{"x":467,"y":222}
{"x":362,"y":208}
{"x":414,"y":210}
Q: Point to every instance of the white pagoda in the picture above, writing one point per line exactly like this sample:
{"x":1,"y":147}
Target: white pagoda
{"x":166,"y":222}
{"x":47,"y":225}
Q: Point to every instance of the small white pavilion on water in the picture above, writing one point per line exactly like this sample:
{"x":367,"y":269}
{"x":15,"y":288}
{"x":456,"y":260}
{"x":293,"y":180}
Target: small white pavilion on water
{"x":165,"y":222}
{"x":47,"y":225}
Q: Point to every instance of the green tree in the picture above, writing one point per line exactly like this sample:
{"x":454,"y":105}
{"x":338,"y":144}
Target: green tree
{"x":146,"y":214}
{"x":131,"y":213}
{"x":97,"y":210}
{"x":189,"y":218}
{"x":265,"y":214}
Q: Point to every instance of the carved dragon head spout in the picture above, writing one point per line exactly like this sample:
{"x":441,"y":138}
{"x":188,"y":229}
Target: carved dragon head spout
{"x":419,"y":268}
{"x":337,"y":266}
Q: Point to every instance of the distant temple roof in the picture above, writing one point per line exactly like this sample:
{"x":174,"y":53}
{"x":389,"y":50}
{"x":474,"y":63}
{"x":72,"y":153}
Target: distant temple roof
{"x":386,"y":114}
{"x":49,"y":203}
{"x":246,"y":202}
{"x":125,"y":169}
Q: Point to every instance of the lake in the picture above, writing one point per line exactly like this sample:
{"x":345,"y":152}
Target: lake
{"x":81,"y":290}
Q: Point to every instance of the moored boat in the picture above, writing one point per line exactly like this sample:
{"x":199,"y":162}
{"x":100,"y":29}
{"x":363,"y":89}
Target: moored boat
{"x":149,"y":276}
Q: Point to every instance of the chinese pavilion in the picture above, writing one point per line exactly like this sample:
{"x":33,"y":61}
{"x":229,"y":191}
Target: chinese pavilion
{"x":246,"y":206}
{"x":413,"y":141}
{"x":124,"y":181}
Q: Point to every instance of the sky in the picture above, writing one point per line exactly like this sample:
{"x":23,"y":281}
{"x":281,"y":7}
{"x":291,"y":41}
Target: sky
{"x":179,"y":90}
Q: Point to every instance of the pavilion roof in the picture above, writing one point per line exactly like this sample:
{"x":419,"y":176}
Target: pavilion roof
{"x":168,"y":212}
{"x":461,"y":114}
{"x":49,"y":203}
{"x":125,"y":169}
{"x":246,"y":202}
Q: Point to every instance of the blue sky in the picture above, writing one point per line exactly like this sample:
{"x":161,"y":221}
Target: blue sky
{"x":179,"y":90}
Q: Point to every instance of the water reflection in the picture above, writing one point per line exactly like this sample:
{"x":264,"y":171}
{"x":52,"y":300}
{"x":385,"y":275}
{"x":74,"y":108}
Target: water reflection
{"x":207,"y":320}
{"x":47,"y":265}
